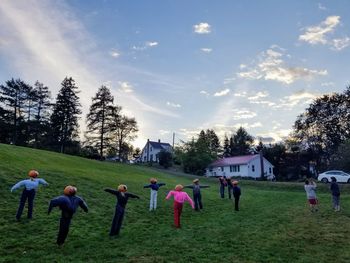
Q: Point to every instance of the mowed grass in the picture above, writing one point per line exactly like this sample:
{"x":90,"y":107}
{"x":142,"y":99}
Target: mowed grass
{"x":274,"y":224}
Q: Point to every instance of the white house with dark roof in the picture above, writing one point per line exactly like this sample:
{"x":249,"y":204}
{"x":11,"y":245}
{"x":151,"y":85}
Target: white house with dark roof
{"x":151,"y":150}
{"x":243,"y":166}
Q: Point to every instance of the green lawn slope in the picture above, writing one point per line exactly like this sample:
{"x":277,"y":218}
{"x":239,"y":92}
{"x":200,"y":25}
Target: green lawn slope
{"x":274,"y":224}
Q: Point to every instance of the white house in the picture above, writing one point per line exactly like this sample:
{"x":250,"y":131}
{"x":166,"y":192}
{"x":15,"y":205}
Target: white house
{"x":151,"y":150}
{"x":243,"y":166}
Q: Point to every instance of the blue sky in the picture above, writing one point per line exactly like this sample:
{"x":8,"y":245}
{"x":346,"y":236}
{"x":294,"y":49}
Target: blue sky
{"x":182,"y":66}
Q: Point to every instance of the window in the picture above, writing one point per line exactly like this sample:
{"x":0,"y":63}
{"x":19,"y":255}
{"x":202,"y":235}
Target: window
{"x":151,"y":148}
{"x":253,"y":168}
{"x":270,"y":170}
{"x":151,"y":157}
{"x":222,"y":169}
{"x":234,"y":168}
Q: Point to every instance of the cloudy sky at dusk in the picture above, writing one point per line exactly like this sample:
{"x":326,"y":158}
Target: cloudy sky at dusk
{"x":182,"y":66}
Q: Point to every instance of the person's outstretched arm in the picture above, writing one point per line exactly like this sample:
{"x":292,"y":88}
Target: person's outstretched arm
{"x":83,"y":205}
{"x":42,"y":181}
{"x":18,"y":185}
{"x":188,"y":186}
{"x":204,"y":186}
{"x":53,"y":203}
{"x":132,"y":195}
{"x":111,"y":191}
{"x":161,"y":184}
{"x":171,"y":193}
{"x":188,"y":198}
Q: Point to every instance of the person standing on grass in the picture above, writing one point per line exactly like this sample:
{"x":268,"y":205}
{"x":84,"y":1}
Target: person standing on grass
{"x":122,"y":199}
{"x":335,"y":194}
{"x":179,"y":199}
{"x":68,"y":203}
{"x":154,"y":193}
{"x":223,"y":184}
{"x":236,"y":193}
{"x":310,"y":189}
{"x":30,"y":187}
{"x":197,"y":197}
{"x":229,"y":187}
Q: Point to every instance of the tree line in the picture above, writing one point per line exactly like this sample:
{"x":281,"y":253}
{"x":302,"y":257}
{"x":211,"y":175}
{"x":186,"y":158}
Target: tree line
{"x":28,"y":117}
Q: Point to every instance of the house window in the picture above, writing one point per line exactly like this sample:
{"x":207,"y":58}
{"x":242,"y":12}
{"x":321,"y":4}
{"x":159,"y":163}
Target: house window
{"x":145,"y":158}
{"x":270,"y":170}
{"x":234,"y":168}
{"x":151,"y":157}
{"x":222,"y":169}
{"x":151,"y":148}
{"x":253,"y":168}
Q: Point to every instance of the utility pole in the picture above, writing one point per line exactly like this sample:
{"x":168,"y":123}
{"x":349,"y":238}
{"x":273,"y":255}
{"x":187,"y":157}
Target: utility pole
{"x":173,"y":139}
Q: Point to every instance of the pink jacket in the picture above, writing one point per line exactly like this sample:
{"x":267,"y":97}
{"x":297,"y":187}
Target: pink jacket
{"x":180,"y":197}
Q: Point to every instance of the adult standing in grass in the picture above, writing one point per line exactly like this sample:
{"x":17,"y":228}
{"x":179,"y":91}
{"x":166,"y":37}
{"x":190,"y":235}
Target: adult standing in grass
{"x":236,"y":191}
{"x":197,"y":196}
{"x":30,"y":187}
{"x":154,"y":193}
{"x":335,"y":194}
{"x":122,"y":200}
{"x":310,"y":189}
{"x":179,"y":199}
{"x":68,"y":203}
{"x":223,"y":184}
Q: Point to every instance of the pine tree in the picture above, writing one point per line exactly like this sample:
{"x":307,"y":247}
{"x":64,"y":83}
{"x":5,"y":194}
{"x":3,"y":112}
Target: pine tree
{"x":241,"y":142}
{"x":226,"y":147}
{"x":99,"y":120}
{"x":64,"y":119}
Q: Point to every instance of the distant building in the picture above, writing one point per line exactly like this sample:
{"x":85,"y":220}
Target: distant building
{"x":243,"y":166}
{"x":150,"y":153}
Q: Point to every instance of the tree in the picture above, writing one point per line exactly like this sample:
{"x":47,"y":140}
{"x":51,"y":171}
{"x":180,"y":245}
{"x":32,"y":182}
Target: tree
{"x":226,"y":147}
{"x":123,"y":130}
{"x":13,"y":95}
{"x":341,"y":159}
{"x":241,"y":143}
{"x":165,"y":159}
{"x":324,"y":125}
{"x":64,"y":119}
{"x":100,"y":117}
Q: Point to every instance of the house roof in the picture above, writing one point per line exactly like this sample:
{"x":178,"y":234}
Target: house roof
{"x":244,"y":159}
{"x":159,"y":145}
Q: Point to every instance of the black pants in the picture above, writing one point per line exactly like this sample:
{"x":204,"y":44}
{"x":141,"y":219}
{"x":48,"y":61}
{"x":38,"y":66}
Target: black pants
{"x":197,"y":201}
{"x":117,"y":220}
{"x":230,"y":190}
{"x":236,"y":203}
{"x":64,"y":228}
{"x":222,"y":190}
{"x":26,"y":194}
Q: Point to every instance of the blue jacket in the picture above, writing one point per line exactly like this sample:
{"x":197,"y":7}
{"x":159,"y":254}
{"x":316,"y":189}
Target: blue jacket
{"x":68,"y":204}
{"x":154,"y":187}
{"x":335,"y":188}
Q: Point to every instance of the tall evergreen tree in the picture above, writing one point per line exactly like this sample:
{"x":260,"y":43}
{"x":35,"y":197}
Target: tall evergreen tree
{"x":226,"y":147}
{"x":13,"y":95}
{"x":241,"y":142}
{"x":99,"y":119}
{"x":64,"y":118}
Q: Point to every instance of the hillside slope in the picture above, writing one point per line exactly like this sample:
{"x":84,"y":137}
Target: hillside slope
{"x":274,"y":224}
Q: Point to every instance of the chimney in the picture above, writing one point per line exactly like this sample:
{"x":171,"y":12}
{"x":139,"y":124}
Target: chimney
{"x":159,"y":140}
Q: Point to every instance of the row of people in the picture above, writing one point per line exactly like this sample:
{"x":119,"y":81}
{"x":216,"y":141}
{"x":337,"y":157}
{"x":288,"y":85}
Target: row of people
{"x":233,"y":189}
{"x":69,"y":202}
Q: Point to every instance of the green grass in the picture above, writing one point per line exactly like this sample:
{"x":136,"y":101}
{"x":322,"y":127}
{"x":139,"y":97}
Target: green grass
{"x":274,"y":224}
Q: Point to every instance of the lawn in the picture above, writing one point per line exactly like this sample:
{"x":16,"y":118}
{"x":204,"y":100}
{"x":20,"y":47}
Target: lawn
{"x":273,"y":225}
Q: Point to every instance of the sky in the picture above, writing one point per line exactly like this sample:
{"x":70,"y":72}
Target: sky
{"x":182,"y":66}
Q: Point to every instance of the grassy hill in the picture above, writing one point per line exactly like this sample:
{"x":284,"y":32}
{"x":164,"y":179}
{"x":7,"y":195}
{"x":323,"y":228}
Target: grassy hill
{"x":274,"y":224}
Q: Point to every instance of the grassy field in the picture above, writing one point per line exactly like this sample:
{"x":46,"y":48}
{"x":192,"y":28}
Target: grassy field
{"x":274,"y":224}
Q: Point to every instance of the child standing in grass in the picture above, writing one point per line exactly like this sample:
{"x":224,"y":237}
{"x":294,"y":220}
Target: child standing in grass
{"x":68,"y":203}
{"x":154,"y":193}
{"x":197,"y":197}
{"x":179,"y":199}
{"x":236,"y":193}
{"x":335,"y":194}
{"x":122,"y":199}
{"x":30,"y":187}
{"x":223,"y":184}
{"x":310,"y":189}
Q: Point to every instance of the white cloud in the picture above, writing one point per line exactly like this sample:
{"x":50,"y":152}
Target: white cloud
{"x":328,"y":84}
{"x":206,"y":50}
{"x":114,"y":53}
{"x":239,"y":114}
{"x":204,"y":92}
{"x":277,"y":135}
{"x":240,"y":94}
{"x":298,"y":98}
{"x":321,"y":7}
{"x":202,"y":28}
{"x":340,"y":43}
{"x":317,"y":34}
{"x":260,"y":94}
{"x":247,"y":125}
{"x":125,"y":86}
{"x":222,"y":93}
{"x":270,"y":65}
{"x":163,"y":132}
{"x":151,"y":44}
{"x":174,"y":105}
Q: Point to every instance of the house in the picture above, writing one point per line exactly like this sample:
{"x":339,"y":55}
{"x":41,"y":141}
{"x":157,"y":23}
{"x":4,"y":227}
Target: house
{"x":243,"y":166}
{"x":151,"y":150}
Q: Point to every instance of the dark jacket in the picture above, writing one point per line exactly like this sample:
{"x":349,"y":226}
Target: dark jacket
{"x":154,"y":186}
{"x":122,"y":198}
{"x":335,"y":188}
{"x":236,"y":191}
{"x":68,"y":204}
{"x":196,"y":188}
